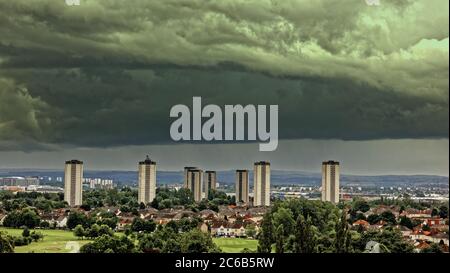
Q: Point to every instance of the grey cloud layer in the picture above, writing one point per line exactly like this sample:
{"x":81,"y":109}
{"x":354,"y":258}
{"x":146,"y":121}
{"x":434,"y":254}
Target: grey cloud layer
{"x":107,"y":72}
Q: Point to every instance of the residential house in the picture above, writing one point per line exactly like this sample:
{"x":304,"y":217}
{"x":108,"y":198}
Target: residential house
{"x":238,"y":230}
{"x":207,"y":213}
{"x":210,"y":218}
{"x":416,"y":213}
{"x":420,"y":235}
{"x":419,"y":246}
{"x":225,"y":212}
{"x":148,"y":213}
{"x":362,"y":223}
{"x":61,"y":221}
{"x":440,"y":238}
{"x":404,"y":230}
{"x":123,"y":222}
{"x":432,"y":221}
{"x":184,"y":214}
{"x":219,"y":228}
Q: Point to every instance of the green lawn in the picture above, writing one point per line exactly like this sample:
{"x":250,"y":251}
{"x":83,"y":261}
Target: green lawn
{"x":235,"y":245}
{"x":54,"y":241}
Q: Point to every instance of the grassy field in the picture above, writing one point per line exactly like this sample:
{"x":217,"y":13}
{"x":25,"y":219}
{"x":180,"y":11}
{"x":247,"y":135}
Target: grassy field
{"x":235,"y":245}
{"x":55,"y":241}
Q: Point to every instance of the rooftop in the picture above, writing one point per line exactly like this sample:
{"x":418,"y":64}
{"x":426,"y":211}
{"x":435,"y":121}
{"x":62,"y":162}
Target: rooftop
{"x":147,"y":161}
{"x":330,"y":162}
{"x":74,"y":161}
{"x":262,"y":163}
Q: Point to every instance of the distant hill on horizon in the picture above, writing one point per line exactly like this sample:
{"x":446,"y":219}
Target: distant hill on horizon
{"x":228,"y":177}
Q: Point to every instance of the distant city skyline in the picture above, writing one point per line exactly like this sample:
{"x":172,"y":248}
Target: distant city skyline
{"x":377,"y":157}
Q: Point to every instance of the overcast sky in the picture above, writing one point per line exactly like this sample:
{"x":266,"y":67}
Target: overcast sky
{"x":366,"y":85}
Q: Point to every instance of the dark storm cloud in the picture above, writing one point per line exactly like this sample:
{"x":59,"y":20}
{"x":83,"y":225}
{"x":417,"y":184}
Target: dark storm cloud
{"x":110,"y":107}
{"x":107,"y":72}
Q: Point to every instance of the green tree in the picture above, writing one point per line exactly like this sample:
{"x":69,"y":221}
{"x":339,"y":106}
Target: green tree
{"x":186,"y":224}
{"x":127,"y":230}
{"x":109,"y":244}
{"x":166,"y":204}
{"x":406,"y":222}
{"x":105,"y":230}
{"x":44,"y":224}
{"x":360,"y":204}
{"x":434,"y":212}
{"x":173,"y":225}
{"x":373,"y":218}
{"x":79,"y":231}
{"x":85,"y":207}
{"x":443,"y":212}
{"x":360,"y":216}
{"x":6,"y":243}
{"x":141,"y":225}
{"x":265,"y":238}
{"x":22,"y":241}
{"x":279,"y":239}
{"x":26,"y":217}
{"x":305,"y":239}
{"x":26,"y":232}
{"x":155,"y":203}
{"x":172,"y":246}
{"x":390,"y":238}
{"x":343,"y":237}
{"x":77,"y":218}
{"x":250,"y":231}
{"x":284,"y":216}
{"x":149,"y":243}
{"x":36,"y":236}
{"x":388,"y":217}
{"x":195,"y":241}
{"x":93,"y":231}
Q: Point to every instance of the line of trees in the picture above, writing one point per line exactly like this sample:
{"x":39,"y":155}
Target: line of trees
{"x":92,"y":232}
{"x":42,"y":201}
{"x":126,"y":199}
{"x":26,"y":217}
{"x":8,"y":242}
{"x":306,"y":226}
{"x":169,"y":238}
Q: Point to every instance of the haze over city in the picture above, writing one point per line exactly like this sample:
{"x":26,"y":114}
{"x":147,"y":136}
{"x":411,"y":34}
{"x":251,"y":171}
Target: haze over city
{"x":374,"y":157}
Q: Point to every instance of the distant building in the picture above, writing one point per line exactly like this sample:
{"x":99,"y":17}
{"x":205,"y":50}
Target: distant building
{"x":261,"y":184}
{"x":330,"y":181}
{"x":99,"y":183}
{"x":44,"y":188}
{"x":147,"y":181}
{"x":242,"y":186}
{"x":195,"y":183}
{"x":210,"y":181}
{"x":73,"y":182}
{"x":19,"y":181}
{"x":186,"y":170}
{"x":12,"y":188}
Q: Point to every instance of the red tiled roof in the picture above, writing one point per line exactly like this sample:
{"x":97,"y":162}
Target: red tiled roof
{"x":361,"y":222}
{"x":423,"y":245}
